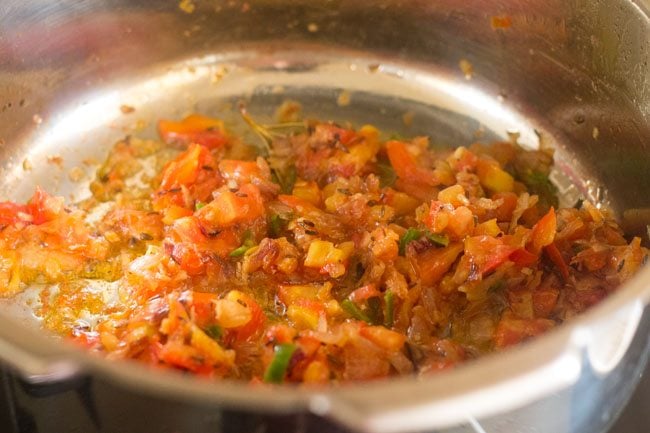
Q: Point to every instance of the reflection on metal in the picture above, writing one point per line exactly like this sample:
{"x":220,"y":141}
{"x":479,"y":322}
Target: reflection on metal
{"x":476,"y":425}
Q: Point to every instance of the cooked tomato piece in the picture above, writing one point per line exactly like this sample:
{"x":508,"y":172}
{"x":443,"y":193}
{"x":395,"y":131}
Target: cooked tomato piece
{"x":255,"y":325}
{"x":10,"y":213}
{"x":544,"y":231}
{"x":192,"y":247}
{"x":556,"y":257}
{"x":229,"y":208}
{"x":511,"y":330}
{"x":43,"y":207}
{"x":434,"y":263}
{"x":194,"y":129}
{"x":406,"y":166}
{"x":522,"y":257}
{"x":487,"y":252}
{"x":188,"y":179}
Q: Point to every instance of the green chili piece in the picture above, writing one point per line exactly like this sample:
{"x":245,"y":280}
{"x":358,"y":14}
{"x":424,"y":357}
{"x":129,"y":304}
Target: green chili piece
{"x":441,"y":240}
{"x":214,"y":331}
{"x":277,"y":369}
{"x":277,"y":225}
{"x":374,"y":310}
{"x":389,"y":300}
{"x":248,"y":243}
{"x":238,"y":252}
{"x":410,"y":235}
{"x":354,"y":311}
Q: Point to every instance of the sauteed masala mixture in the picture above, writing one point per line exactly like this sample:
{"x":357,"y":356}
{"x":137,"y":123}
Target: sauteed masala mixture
{"x":324,"y":254}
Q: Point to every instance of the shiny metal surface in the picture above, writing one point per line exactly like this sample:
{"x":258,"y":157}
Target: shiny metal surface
{"x":574,"y":73}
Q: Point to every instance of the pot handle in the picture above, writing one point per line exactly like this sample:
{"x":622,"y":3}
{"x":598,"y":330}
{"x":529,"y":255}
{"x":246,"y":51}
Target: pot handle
{"x":35,"y":357}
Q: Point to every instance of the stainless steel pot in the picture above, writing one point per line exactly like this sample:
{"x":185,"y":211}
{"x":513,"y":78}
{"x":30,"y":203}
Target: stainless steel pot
{"x":572,"y":73}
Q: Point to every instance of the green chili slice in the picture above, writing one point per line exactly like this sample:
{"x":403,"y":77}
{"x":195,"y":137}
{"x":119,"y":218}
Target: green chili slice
{"x":248,"y":243}
{"x":214,"y":331}
{"x":374,"y":310}
{"x":441,"y":240}
{"x":410,"y":235}
{"x":413,"y":234}
{"x":354,"y":311}
{"x":277,"y":369}
{"x":389,"y":300}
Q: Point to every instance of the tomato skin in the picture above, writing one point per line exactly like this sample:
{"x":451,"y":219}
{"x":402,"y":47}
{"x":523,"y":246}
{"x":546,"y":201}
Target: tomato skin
{"x":524,"y":258}
{"x":406,"y":166}
{"x":240,"y":171}
{"x":9,"y":213}
{"x":184,"y":169}
{"x":279,"y":334}
{"x":202,"y":308}
{"x":43,"y":207}
{"x":190,"y":247}
{"x":505,"y":210}
{"x":434,"y":263}
{"x":229,"y":208}
{"x":487,"y":252}
{"x":191,"y":177}
{"x":194,"y":129}
{"x":188,"y":258}
{"x":182,"y":356}
{"x":187,"y":230}
{"x":556,"y":257}
{"x":543,"y":232}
